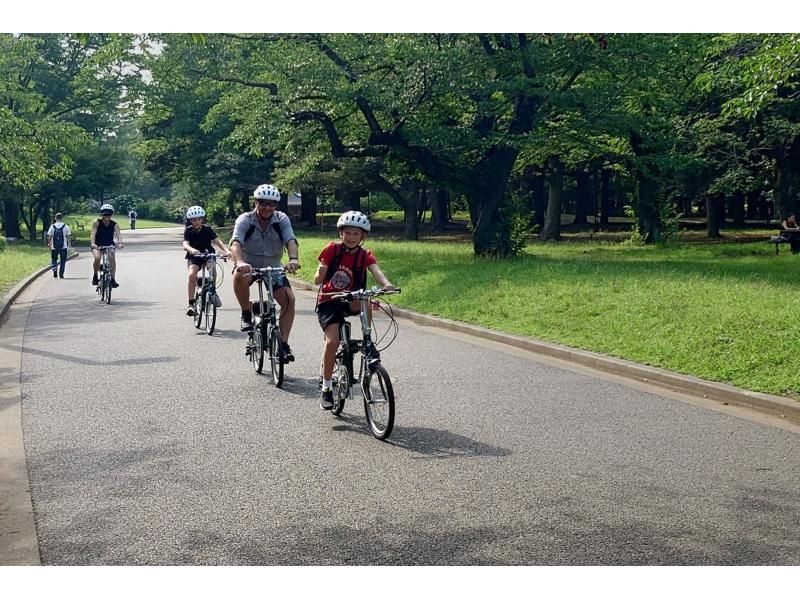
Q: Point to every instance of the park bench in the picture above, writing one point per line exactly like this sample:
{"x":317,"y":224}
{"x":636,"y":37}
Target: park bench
{"x":778,"y":239}
{"x":79,"y":225}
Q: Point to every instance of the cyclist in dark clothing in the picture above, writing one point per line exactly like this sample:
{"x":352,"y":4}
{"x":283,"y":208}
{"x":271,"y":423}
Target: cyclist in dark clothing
{"x":198,"y":238}
{"x":105,"y":233}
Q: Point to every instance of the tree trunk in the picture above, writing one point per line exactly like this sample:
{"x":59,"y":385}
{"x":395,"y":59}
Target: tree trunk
{"x":714,"y":211}
{"x":495,"y":172}
{"x":45,"y":219}
{"x":350,"y":200}
{"x":583,"y":198}
{"x":231,"y":204}
{"x":244,"y":200}
{"x":412,"y":223}
{"x":283,"y":203}
{"x":308,"y":206}
{"x":407,"y":200}
{"x":649,"y":218}
{"x":422,"y":203}
{"x":737,"y":209}
{"x":751,"y":211}
{"x":605,"y":198}
{"x":11,"y":219}
{"x":440,"y":209}
{"x":552,"y":221}
{"x":539,"y":200}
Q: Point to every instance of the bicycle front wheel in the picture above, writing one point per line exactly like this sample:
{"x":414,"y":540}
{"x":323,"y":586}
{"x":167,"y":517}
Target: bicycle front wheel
{"x":275,"y":361}
{"x":257,"y":354}
{"x":211,"y":313}
{"x":379,"y":401}
{"x":343,"y":389}
{"x":108,"y":291}
{"x":199,"y":307}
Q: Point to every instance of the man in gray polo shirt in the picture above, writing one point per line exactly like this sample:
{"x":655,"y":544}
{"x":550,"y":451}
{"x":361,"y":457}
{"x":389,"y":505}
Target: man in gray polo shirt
{"x":258,"y":241}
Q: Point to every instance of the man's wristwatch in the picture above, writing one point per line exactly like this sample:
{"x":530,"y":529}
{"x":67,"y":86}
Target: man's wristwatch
{"x":292,"y":258}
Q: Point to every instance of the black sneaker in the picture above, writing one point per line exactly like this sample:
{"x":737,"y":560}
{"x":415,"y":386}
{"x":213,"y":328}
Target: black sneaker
{"x":55,"y":274}
{"x":286,"y":353}
{"x":114,"y":284}
{"x":94,"y":279}
{"x":190,"y":310}
{"x":326,"y":400}
{"x":247,"y":322}
{"x":61,"y":276}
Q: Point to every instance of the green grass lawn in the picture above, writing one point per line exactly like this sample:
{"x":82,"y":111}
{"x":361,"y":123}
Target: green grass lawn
{"x":18,"y":261}
{"x":721,"y":312}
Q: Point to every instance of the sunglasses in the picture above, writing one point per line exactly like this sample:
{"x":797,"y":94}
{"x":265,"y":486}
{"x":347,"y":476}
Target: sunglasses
{"x":271,"y":204}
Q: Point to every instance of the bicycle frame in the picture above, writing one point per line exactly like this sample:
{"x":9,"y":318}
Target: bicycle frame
{"x":208,"y":273}
{"x":104,"y":283}
{"x":364,"y":346}
{"x":265,"y":325}
{"x":378,"y":402}
{"x":265,"y":278}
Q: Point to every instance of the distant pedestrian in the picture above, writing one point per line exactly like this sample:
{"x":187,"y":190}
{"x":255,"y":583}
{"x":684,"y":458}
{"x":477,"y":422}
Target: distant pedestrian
{"x":132,"y":218}
{"x":59,"y":238}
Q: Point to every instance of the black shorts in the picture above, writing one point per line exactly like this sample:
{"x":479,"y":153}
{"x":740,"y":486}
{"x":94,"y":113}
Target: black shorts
{"x":194,"y":260}
{"x":333,"y":312}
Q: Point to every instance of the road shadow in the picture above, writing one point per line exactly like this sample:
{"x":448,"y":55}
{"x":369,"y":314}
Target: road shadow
{"x":94,"y":362}
{"x":425,"y":442}
{"x":53,"y":317}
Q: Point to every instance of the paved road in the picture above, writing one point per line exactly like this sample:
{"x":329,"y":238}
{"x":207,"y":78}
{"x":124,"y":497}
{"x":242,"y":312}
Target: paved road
{"x":149,"y":443}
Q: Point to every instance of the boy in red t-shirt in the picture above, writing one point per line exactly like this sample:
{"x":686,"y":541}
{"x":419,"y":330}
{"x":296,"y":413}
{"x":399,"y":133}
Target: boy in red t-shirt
{"x":348,"y":262}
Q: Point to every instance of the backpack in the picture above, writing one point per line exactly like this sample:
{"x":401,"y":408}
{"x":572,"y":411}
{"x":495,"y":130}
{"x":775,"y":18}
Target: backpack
{"x":58,"y":237}
{"x":275,"y":226}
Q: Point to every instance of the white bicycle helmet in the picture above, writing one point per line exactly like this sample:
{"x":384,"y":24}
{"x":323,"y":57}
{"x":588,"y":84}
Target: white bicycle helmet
{"x":267,"y":192}
{"x":195,"y":212}
{"x":106,"y":207}
{"x":353,"y":218}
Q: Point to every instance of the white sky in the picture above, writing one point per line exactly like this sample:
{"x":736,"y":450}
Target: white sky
{"x":402,"y":16}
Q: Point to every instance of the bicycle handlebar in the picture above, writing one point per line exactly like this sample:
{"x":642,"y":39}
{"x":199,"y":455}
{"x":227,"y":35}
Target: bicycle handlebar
{"x":209,"y":255}
{"x":362,"y":294}
{"x":265,"y":271}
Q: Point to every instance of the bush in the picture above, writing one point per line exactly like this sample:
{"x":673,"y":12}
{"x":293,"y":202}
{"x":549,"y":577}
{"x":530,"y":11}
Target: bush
{"x":3,"y":244}
{"x":159,"y":211}
{"x":216,"y":212}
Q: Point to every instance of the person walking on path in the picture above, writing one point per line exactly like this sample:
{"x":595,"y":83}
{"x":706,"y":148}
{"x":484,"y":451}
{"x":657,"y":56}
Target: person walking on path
{"x":132,"y":218}
{"x":59,"y":238}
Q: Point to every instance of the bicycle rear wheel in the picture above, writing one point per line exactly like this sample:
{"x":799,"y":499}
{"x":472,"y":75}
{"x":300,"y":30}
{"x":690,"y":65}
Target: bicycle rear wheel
{"x":275,"y":361}
{"x":108,"y":290}
{"x":257,"y":352}
{"x":211,"y":313}
{"x":199,"y":307}
{"x":343,"y":389}
{"x":379,"y":401}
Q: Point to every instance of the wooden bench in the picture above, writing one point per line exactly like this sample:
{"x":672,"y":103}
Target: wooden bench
{"x":79,"y":226}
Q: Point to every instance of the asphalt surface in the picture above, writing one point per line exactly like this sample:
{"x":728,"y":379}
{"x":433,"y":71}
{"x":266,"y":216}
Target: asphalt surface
{"x":149,"y":442}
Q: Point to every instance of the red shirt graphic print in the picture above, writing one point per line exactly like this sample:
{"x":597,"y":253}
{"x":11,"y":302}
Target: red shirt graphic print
{"x":342,"y":280}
